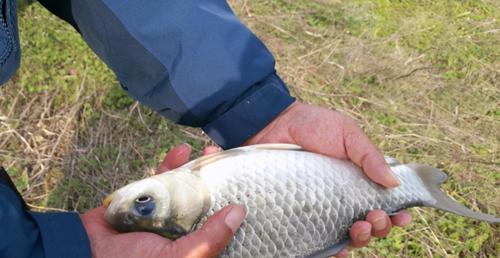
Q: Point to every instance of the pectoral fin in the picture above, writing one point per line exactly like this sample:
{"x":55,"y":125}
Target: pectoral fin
{"x":331,"y":251}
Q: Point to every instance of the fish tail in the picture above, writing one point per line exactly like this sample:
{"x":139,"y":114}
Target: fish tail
{"x":433,"y":178}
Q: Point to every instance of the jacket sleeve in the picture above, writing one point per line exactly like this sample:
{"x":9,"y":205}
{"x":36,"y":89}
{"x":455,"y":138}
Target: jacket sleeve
{"x":194,"y":62}
{"x":33,"y":234}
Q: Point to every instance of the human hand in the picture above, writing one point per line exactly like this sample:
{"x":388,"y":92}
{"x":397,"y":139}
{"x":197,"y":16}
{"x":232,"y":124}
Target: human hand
{"x":208,"y":241}
{"x":336,"y":135}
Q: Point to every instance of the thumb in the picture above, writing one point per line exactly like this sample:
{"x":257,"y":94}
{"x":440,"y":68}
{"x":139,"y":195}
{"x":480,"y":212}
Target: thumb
{"x":175,"y":158}
{"x":366,"y":155}
{"x":212,"y":238}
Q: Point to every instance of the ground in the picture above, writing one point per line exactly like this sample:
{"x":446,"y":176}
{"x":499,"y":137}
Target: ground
{"x":420,"y":77}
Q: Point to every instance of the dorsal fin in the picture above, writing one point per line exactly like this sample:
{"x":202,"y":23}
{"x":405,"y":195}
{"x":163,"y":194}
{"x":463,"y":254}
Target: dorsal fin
{"x":273,"y":146}
{"x":391,"y":161}
{"x":198,"y":163}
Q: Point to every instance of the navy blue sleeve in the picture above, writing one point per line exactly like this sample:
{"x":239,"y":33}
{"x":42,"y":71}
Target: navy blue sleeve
{"x":10,"y":52}
{"x":194,"y":62}
{"x":33,"y":234}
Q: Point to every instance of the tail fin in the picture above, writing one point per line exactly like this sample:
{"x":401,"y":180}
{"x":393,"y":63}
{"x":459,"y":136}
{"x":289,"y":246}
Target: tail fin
{"x":433,"y":178}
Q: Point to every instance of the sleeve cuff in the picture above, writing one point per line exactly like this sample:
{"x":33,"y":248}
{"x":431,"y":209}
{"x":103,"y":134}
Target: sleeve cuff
{"x":251,"y":114}
{"x":63,"y":234}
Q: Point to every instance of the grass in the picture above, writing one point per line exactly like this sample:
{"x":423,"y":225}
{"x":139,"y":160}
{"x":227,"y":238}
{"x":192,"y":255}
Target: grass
{"x":421,"y":77}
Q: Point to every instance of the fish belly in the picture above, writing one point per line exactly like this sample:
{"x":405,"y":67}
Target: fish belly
{"x":299,"y":203}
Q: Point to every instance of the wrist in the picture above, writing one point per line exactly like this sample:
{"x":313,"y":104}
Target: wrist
{"x":277,"y":130}
{"x":250,"y":114}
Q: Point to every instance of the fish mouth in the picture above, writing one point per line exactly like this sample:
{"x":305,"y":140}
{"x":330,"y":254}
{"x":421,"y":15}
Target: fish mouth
{"x":107,"y":201}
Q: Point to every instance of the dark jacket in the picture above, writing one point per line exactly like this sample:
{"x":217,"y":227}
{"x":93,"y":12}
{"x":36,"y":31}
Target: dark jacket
{"x":193,"y":62}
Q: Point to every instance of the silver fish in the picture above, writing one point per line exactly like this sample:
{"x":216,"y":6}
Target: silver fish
{"x":299,"y":204}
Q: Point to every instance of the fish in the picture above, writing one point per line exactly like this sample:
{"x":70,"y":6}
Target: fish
{"x":298,"y":203}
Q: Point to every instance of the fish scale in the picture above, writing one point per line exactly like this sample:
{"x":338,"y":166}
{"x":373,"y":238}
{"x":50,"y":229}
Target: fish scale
{"x":319,"y":197}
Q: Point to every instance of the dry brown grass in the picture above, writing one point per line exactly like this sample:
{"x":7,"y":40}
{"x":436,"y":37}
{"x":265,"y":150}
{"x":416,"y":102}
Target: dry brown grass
{"x":69,"y":136}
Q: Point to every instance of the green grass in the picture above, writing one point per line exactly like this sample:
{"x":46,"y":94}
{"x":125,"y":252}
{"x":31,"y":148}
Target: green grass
{"x":421,"y":77}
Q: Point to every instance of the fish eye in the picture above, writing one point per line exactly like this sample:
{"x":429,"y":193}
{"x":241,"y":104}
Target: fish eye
{"x":143,"y":199}
{"x":144,"y":205}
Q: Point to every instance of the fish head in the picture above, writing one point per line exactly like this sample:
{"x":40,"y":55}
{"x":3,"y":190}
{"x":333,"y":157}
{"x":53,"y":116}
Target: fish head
{"x":140,"y":206}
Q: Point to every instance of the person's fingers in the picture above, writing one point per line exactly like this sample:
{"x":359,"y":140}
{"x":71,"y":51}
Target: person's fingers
{"x":381,"y":223}
{"x":94,"y":222}
{"x":361,"y":232}
{"x":342,"y":253}
{"x":212,"y":238}
{"x":401,"y":219}
{"x":176,"y":157}
{"x":210,"y":150}
{"x":365,"y":154}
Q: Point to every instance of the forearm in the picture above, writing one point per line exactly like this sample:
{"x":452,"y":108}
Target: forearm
{"x":193,"y":62}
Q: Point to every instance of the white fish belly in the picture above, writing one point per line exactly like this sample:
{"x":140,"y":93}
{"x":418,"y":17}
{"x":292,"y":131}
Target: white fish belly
{"x":298,"y":202}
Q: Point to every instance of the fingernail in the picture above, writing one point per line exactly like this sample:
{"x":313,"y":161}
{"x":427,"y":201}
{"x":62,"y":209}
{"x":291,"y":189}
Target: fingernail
{"x":186,"y":148}
{"x":406,"y":219}
{"x":211,"y":149}
{"x":379,"y":224}
{"x":234,"y":218}
{"x":187,"y":145}
{"x":393,"y":179}
{"x":364,"y":236}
